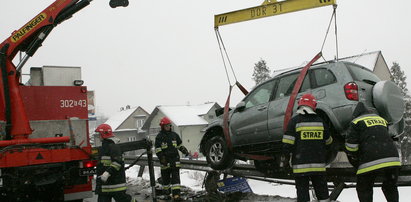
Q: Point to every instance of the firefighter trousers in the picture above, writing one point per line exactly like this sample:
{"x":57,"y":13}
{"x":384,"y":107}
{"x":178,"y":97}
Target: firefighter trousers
{"x":365,"y":184}
{"x":171,"y":180}
{"x":319,"y":182}
{"x":118,"y":196}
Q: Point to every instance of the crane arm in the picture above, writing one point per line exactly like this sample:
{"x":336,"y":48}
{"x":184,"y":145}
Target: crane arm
{"x":28,"y":39}
{"x":267,"y":9}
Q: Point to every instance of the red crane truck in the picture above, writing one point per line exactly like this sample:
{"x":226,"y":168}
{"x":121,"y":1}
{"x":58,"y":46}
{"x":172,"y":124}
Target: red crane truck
{"x":45,"y":153}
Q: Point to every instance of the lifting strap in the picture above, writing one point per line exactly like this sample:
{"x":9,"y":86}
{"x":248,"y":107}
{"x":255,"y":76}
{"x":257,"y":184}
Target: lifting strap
{"x":297,"y":86}
{"x":225,"y":120}
{"x":226,"y":129}
{"x":303,"y":73}
{"x":241,"y":87}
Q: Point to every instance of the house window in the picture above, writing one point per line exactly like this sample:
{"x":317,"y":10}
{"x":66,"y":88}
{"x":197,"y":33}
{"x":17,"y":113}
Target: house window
{"x":132,"y":139}
{"x":139,"y":123}
{"x":210,"y":116}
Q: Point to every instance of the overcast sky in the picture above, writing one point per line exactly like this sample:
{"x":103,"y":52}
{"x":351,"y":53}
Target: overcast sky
{"x":166,"y":53}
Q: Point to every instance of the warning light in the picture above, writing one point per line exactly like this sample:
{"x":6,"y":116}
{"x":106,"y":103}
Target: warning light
{"x":89,"y":164}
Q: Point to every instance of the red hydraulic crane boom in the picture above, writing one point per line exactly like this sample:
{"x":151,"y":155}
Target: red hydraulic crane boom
{"x":28,"y":39}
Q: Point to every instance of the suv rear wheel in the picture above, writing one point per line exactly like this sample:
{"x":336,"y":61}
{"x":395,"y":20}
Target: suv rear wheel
{"x":218,"y":154}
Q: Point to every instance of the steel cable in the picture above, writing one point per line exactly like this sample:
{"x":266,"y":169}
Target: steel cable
{"x":334,"y":15}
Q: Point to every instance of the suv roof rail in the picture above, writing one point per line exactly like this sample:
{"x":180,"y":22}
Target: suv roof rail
{"x":291,"y":69}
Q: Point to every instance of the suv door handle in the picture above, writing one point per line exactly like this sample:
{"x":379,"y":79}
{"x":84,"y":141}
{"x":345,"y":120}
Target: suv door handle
{"x":262,"y":108}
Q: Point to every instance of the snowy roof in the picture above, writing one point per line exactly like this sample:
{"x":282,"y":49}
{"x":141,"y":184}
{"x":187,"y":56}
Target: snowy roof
{"x":202,"y":108}
{"x":117,"y":119}
{"x":367,"y":60}
{"x":182,"y":115}
{"x":187,"y":114}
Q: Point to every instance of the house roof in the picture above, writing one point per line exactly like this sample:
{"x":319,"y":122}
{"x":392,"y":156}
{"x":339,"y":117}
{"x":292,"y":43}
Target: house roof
{"x":117,"y":119}
{"x":183,"y":115}
{"x":367,"y":60}
{"x":202,"y":108}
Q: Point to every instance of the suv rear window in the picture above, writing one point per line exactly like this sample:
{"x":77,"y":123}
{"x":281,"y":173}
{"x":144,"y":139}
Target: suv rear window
{"x":323,"y":77}
{"x":361,"y":73}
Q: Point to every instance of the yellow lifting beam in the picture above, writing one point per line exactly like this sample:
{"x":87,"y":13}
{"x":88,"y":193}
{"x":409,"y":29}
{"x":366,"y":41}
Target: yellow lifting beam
{"x":267,"y":9}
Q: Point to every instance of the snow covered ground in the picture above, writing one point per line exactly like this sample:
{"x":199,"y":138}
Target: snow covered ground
{"x":194,"y":180}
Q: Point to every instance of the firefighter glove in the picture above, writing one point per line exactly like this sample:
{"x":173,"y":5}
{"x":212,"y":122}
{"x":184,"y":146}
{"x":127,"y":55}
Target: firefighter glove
{"x":105,"y":176}
{"x":395,"y":138}
{"x":184,"y":150}
{"x":285,"y":161}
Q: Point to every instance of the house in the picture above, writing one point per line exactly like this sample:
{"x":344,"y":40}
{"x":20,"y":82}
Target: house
{"x":374,"y":61}
{"x":187,"y":120}
{"x":126,"y":124}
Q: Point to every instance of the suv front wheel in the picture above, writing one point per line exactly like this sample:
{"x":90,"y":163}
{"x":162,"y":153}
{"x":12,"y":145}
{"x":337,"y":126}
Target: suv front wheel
{"x":218,"y":154}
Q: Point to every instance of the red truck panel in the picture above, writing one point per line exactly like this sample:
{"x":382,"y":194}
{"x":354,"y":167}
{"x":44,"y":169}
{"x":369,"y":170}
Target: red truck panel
{"x":52,"y":102}
{"x":55,"y":102}
{"x":18,"y":157}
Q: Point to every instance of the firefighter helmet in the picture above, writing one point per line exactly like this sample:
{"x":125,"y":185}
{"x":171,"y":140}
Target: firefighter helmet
{"x":105,"y":131}
{"x":164,"y":121}
{"x":308,"y":100}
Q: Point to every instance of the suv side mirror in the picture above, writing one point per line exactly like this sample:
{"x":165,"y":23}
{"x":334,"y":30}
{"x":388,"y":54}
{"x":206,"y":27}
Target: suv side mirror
{"x":240,"y":106}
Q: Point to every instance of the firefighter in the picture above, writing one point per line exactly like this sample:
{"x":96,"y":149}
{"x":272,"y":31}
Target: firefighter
{"x":306,"y":138}
{"x":111,"y":180}
{"x":371,"y":150}
{"x":167,"y":144}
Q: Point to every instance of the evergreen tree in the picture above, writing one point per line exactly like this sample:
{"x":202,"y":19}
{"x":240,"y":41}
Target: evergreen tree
{"x":261,"y":72}
{"x":398,"y":77}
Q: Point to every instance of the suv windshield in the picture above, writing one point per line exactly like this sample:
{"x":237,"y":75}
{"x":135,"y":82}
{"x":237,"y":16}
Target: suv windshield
{"x":361,"y":74}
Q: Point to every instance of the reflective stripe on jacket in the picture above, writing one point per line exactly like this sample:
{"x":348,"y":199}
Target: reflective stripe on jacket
{"x":368,"y":139}
{"x":167,"y":144}
{"x":111,"y":161}
{"x":306,"y":138}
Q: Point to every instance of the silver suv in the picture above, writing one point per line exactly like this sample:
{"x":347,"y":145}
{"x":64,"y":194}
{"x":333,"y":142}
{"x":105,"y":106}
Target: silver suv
{"x":256,"y":123}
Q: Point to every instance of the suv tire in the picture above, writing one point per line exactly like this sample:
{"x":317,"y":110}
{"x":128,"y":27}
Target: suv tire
{"x":218,"y":154}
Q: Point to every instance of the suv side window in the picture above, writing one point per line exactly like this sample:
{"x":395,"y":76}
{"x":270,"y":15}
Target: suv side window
{"x":260,"y":95}
{"x":361,"y":73}
{"x":323,"y":77}
{"x":286,"y":85}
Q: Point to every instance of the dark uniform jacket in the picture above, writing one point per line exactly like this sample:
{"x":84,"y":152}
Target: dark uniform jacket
{"x":167,"y":144}
{"x":306,"y":138}
{"x":111,"y":160}
{"x":368,"y":141}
